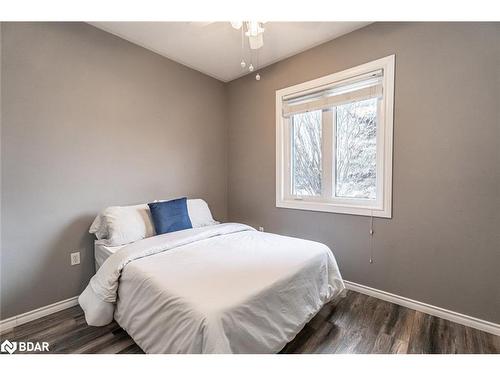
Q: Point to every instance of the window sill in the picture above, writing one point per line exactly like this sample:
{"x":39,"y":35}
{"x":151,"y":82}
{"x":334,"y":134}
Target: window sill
{"x":334,"y":208}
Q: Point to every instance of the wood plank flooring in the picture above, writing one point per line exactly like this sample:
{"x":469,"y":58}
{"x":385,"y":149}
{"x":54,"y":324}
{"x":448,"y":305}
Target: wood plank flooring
{"x":361,"y":324}
{"x":353,"y":324}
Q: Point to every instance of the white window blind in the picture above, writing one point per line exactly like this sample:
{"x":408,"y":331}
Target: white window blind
{"x":367,"y":86}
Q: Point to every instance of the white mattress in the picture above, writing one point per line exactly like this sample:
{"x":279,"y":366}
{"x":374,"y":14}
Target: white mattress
{"x":103,"y":252}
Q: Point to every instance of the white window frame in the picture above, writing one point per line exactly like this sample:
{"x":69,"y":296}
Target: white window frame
{"x":380,"y":207}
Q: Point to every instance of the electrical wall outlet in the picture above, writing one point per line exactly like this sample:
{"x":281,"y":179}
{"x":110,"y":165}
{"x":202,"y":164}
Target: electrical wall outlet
{"x":75,"y":258}
{"x":261,"y":229}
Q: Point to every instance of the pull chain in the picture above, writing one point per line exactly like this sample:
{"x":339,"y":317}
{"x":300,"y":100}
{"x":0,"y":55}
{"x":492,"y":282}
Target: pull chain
{"x":243,"y":63}
{"x":371,"y":237}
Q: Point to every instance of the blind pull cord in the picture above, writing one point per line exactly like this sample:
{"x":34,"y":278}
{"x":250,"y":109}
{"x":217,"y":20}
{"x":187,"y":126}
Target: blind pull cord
{"x":371,"y":237}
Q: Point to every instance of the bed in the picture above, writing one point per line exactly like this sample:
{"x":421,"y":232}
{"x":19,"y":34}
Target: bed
{"x":223,"y":288}
{"x":103,"y":252}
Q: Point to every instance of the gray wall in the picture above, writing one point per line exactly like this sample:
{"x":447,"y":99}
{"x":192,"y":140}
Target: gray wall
{"x":442,"y":245}
{"x":90,"y":120}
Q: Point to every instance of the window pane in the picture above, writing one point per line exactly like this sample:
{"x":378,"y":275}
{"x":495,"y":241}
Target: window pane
{"x":306,"y":154}
{"x":356,"y":151}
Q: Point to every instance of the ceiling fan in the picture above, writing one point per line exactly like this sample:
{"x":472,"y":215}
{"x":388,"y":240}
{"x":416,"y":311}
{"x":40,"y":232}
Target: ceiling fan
{"x":254,"y":30}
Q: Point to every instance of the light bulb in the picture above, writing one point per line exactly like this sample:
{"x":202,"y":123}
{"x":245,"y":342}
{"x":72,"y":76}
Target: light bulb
{"x":243,"y":64}
{"x":250,"y":68}
{"x":257,"y":77}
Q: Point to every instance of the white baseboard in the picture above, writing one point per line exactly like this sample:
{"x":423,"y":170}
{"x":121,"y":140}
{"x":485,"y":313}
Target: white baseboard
{"x":29,"y":316}
{"x":453,"y":316}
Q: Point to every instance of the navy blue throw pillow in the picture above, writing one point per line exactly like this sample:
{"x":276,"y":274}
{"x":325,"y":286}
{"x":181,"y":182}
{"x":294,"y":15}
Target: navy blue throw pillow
{"x":170,"y":216}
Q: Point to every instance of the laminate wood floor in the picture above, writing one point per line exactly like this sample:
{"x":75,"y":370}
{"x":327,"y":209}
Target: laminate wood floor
{"x":355,"y":323}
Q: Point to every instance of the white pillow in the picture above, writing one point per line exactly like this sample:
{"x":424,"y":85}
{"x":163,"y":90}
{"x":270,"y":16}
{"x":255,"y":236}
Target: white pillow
{"x":120,"y":225}
{"x":199,"y":213}
{"x":98,"y":227}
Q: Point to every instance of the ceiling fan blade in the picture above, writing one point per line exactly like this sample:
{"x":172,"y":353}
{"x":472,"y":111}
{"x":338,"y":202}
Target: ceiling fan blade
{"x":237,"y":24}
{"x":202,"y":24}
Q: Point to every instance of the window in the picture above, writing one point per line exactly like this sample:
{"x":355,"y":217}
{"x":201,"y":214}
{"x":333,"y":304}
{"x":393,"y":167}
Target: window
{"x":334,"y":142}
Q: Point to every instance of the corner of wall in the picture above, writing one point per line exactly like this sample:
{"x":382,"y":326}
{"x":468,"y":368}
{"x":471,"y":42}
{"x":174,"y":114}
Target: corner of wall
{"x":1,"y":26}
{"x":226,"y":141}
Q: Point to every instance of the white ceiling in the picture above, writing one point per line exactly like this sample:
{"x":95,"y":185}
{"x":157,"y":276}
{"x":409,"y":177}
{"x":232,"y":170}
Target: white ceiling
{"x":214,"y":48}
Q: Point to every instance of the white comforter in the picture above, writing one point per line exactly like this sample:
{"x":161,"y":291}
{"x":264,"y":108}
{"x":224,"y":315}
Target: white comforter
{"x":220,"y":289}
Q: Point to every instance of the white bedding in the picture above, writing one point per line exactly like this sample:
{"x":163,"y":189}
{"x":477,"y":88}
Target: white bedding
{"x":220,"y":289}
{"x":103,"y":252}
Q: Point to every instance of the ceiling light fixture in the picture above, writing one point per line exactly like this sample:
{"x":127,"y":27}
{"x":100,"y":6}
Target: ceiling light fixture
{"x":254,"y":31}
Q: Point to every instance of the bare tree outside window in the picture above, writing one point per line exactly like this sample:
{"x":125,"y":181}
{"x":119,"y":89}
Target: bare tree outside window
{"x":306,"y":153}
{"x":356,"y":151}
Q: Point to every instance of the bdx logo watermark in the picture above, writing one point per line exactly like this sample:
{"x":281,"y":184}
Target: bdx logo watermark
{"x":23,"y":346}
